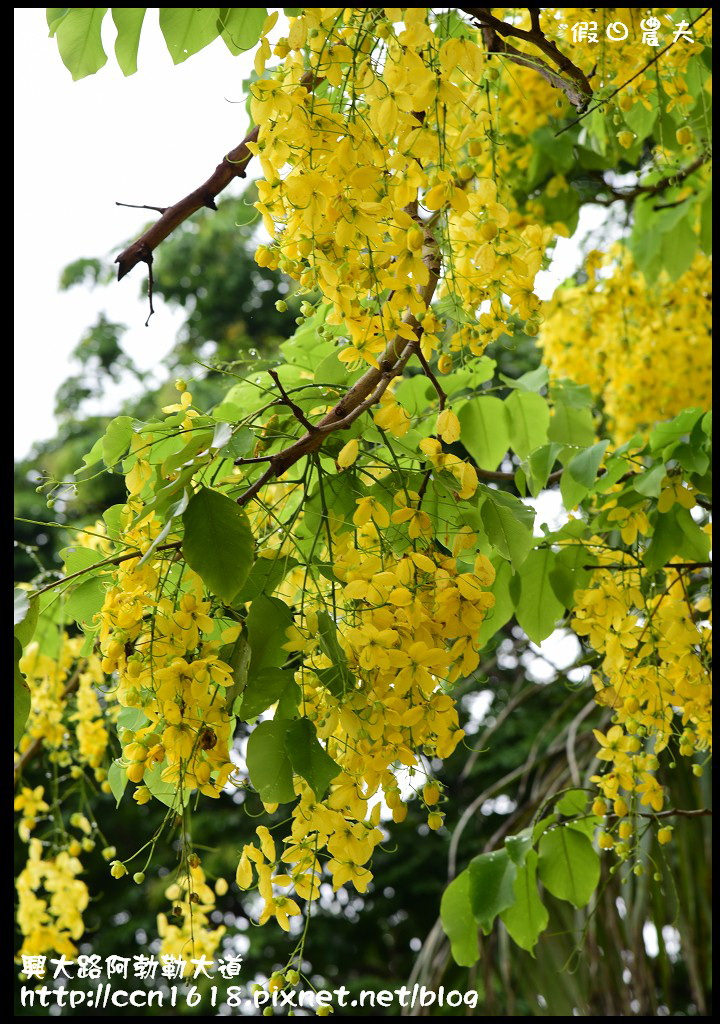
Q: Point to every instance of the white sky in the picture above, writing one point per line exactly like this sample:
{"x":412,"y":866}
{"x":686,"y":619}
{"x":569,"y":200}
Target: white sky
{"x":79,"y":147}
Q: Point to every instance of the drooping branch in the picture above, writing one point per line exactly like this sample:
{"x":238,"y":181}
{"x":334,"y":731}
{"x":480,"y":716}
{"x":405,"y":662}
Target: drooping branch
{"x":364,"y":393}
{"x":232,"y":166}
{"x":568,"y":77}
{"x":669,"y":181}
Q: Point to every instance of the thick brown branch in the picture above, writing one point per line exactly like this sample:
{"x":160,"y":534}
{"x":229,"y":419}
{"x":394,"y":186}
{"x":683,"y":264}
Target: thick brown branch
{"x":365,"y":392}
{"x":575,"y":86}
{"x":232,"y":166}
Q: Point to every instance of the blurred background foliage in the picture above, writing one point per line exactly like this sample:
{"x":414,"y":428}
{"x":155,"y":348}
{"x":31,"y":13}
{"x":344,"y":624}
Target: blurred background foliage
{"x":640,"y":949}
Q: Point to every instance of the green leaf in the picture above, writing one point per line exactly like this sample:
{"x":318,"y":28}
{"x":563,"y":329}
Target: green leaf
{"x":268,"y":763}
{"x":484,"y":430}
{"x":519,"y":846}
{"x":79,"y":41}
{"x":533,"y":380}
{"x":267,"y":622}
{"x":502,"y":610}
{"x":128,"y":22}
{"x":569,"y":574}
{"x":526,"y":918}
{"x":695,"y":544}
{"x":237,"y":656}
{"x":85,"y":600}
{"x":538,"y":609}
{"x":584,"y":466}
{"x":188,"y":29}
{"x":540,"y":464}
{"x":26,"y":609}
{"x":265,"y":576}
{"x":21,"y":695}
{"x":263,"y":690}
{"x":529,"y":417}
{"x":53,"y":16}
{"x":567,"y":392}
{"x":458,"y":922}
{"x":571,"y":491}
{"x":167,"y":793}
{"x":218,"y":543}
{"x":491,"y":886}
{"x":132,"y":718}
{"x":117,"y":780}
{"x":666,"y":541}
{"x":572,"y":426}
{"x":239,"y":444}
{"x":649,"y":483}
{"x":508,"y":524}
{"x":309,"y":758}
{"x":338,"y":678}
{"x":568,"y":864}
{"x":674,"y":430}
{"x":116,"y":440}
{"x":240,"y":27}
{"x":572,"y":803}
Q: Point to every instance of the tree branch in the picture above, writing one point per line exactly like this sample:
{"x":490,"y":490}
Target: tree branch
{"x":364,"y":393}
{"x":232,"y":166}
{"x":577,"y":89}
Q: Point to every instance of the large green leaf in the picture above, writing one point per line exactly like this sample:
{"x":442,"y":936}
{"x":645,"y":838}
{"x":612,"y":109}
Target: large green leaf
{"x":79,"y":41}
{"x":188,"y":29}
{"x":571,"y":425}
{"x":502,"y":611}
{"x":85,"y":600}
{"x":117,"y":780}
{"x":584,"y":466}
{"x":337,"y":678}
{"x":526,"y":917}
{"x":484,"y":430}
{"x":538,"y":609}
{"x":26,"y":609}
{"x":309,"y":758}
{"x":458,"y":921}
{"x":568,"y":864}
{"x":491,"y":886}
{"x":240,"y":27}
{"x":265,"y":576}
{"x":269,"y":763}
{"x":508,"y":524}
{"x":267,"y":622}
{"x":218,"y":543}
{"x":116,"y":439}
{"x":529,"y":417}
{"x":168,"y":793}
{"x":128,"y":22}
{"x":264,"y":689}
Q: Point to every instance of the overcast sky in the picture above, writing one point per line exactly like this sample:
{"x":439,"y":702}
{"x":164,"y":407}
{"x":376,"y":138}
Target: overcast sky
{"x":79,"y":147}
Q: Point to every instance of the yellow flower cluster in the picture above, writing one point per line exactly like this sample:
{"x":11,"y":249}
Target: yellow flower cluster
{"x":48,"y":678}
{"x":654,"y":675}
{"x":407,"y":625}
{"x":630,"y":343}
{"x":51,"y":900}
{"x":187,"y":933}
{"x":399,"y":124}
{"x":155,"y":634}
